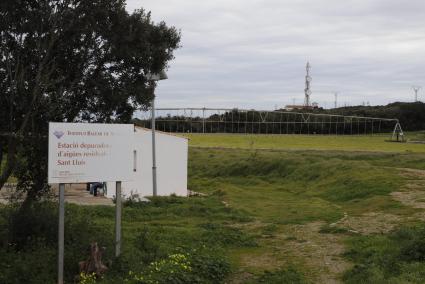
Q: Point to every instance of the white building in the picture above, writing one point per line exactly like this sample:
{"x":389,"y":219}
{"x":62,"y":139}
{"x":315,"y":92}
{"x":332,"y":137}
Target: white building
{"x":171,"y":162}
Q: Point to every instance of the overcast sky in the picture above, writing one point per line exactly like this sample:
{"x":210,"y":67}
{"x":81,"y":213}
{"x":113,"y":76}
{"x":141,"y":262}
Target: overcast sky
{"x":252,"y":53}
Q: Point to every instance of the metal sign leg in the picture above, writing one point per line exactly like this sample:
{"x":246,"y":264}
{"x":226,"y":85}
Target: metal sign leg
{"x":61,"y":232}
{"x":118,"y":220}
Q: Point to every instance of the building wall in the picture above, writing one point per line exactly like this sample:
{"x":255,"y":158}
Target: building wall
{"x":171,"y":160}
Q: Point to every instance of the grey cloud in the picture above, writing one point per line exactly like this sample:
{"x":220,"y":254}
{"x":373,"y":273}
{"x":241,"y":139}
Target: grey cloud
{"x":252,"y":53}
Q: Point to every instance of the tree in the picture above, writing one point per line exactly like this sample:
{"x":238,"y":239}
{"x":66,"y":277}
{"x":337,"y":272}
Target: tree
{"x":410,"y":115}
{"x":71,"y":60}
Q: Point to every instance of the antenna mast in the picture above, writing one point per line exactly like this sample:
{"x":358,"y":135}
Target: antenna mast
{"x":336,"y":99}
{"x":416,"y":89}
{"x":307,"y":90}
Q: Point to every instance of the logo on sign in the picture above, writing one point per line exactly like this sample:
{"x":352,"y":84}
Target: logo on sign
{"x":58,"y":134}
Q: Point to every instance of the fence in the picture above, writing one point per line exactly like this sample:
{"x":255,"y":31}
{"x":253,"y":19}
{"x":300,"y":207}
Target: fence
{"x":208,"y":120}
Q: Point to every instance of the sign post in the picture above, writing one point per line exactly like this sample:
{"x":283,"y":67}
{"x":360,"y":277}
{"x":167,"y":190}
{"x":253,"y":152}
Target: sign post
{"x":85,"y":153}
{"x":61,"y":231}
{"x":118,"y":220}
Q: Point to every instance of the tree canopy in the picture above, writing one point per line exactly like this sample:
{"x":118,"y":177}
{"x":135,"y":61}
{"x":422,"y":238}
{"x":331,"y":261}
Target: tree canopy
{"x":71,"y":60}
{"x":410,"y":115}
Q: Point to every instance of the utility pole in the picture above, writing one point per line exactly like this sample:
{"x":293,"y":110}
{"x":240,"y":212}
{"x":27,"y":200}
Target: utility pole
{"x":416,"y":89}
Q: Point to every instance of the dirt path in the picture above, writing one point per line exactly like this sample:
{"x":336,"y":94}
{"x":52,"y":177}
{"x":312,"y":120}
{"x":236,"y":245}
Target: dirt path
{"x":413,"y":194}
{"x":317,"y":255}
{"x":322,"y":253}
{"x":369,"y":223}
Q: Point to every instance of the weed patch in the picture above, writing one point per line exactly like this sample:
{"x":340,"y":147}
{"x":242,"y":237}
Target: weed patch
{"x":327,"y":229}
{"x":393,"y":258}
{"x":282,"y":276}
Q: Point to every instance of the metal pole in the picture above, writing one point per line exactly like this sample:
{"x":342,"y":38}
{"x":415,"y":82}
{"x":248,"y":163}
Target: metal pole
{"x":280,"y":124}
{"x":153,"y":150}
{"x":203,"y":120}
{"x":61,"y":230}
{"x":191,"y":119}
{"x":118,"y":219}
{"x":330,"y":125}
{"x":336,"y":126}
{"x":232,"y":122}
{"x":308,"y":125}
{"x":246,"y":121}
{"x":358,"y":126}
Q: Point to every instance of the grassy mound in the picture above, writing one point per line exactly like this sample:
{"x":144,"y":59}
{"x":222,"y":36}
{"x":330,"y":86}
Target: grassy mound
{"x":294,"y":187}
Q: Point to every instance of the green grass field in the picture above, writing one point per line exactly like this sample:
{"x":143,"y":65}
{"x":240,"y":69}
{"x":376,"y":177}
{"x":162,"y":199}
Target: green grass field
{"x":295,"y":187}
{"x":306,"y":142}
{"x":277,"y":209}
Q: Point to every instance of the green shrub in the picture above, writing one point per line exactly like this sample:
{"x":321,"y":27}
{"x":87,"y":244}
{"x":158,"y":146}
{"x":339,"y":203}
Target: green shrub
{"x":212,"y":266}
{"x":152,"y":233}
{"x":398,"y":257}
{"x":31,"y":252}
{"x":180,"y":268}
{"x":413,"y":243}
{"x":37,"y":222}
{"x":35,"y":265}
{"x":148,"y":244}
{"x":176,"y":268}
{"x":87,"y":278}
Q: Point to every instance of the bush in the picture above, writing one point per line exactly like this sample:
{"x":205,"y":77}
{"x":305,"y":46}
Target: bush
{"x":87,"y":278}
{"x":213,"y":268}
{"x":148,"y":244}
{"x":155,"y":236}
{"x":29,"y":251}
{"x":37,"y":222}
{"x":180,"y":268}
{"x":413,"y":243}
{"x":394,"y":258}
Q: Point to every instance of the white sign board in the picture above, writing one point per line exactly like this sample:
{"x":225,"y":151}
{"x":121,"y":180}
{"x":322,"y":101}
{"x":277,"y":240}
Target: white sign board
{"x":90,"y":152}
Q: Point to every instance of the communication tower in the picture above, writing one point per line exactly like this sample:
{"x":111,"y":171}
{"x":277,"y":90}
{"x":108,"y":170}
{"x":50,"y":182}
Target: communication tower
{"x":416,"y":89}
{"x":307,"y":90}
{"x":336,"y":100}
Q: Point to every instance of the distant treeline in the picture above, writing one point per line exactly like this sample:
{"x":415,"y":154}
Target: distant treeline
{"x":271,"y":122}
{"x":411,"y":115}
